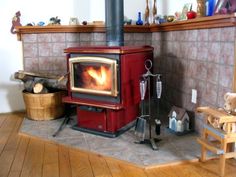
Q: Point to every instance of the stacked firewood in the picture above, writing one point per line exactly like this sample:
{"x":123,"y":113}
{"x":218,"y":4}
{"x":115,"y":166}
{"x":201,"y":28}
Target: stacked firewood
{"x":41,"y":83}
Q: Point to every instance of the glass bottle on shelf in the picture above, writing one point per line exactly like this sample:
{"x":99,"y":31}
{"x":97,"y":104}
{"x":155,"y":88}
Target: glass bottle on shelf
{"x":201,"y":8}
{"x":154,"y":12}
{"x":139,"y":21}
{"x":210,"y":5}
{"x":147,"y":14}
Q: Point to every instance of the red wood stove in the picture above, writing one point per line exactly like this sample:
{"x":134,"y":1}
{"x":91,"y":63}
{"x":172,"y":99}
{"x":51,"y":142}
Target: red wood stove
{"x":104,"y":84}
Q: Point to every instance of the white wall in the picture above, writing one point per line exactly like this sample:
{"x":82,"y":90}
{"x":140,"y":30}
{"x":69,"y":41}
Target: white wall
{"x":11,"y":49}
{"x":35,"y":11}
{"x":11,"y":59}
{"x":169,"y":7}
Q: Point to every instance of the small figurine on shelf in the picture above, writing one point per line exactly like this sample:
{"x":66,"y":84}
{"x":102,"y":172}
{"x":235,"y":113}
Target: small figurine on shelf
{"x":162,"y":19}
{"x":127,"y":21}
{"x":30,"y":24}
{"x":154,"y":12}
{"x":170,"y":18}
{"x":191,"y":14}
{"x":84,"y":23}
{"x":41,"y":23}
{"x":15,"y":22}
{"x":147,"y":14}
{"x":73,"y":21}
{"x":139,"y":21}
{"x":54,"y":21}
{"x":183,"y":15}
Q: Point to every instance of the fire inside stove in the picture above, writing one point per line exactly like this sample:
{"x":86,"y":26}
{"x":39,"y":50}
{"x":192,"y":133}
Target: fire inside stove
{"x":98,"y":78}
{"x":96,"y":75}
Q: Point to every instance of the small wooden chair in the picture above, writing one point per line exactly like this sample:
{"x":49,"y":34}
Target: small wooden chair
{"x":222,"y":141}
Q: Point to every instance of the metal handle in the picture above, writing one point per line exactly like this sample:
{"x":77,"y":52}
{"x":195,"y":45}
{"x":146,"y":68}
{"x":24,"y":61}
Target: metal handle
{"x":158,"y":87}
{"x":143,"y":88}
{"x":148,"y":64}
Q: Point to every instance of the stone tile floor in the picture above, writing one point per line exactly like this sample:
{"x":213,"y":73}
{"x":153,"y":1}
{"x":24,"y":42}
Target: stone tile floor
{"x":172,"y":148}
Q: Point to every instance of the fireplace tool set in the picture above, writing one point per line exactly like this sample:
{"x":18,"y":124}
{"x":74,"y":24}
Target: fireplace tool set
{"x":143,"y":119}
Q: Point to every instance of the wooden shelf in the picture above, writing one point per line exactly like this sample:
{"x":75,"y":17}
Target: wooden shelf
{"x":216,"y":21}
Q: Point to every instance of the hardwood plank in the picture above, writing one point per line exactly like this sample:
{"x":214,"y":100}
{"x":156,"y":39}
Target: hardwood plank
{"x":14,"y":138}
{"x":80,"y":164}
{"x":9,"y":123}
{"x":2,"y":119}
{"x":115,"y":168}
{"x":230,"y":167}
{"x":33,"y":163}
{"x":161,"y":172}
{"x":64,"y":162}
{"x":6,"y":159}
{"x":19,"y":156}
{"x":14,"y":174}
{"x":50,"y":164}
{"x":154,"y":172}
{"x":130,"y":171}
{"x":9,"y":149}
{"x":209,"y":168}
{"x":99,"y":166}
{"x":186,"y":170}
{"x":6,"y":130}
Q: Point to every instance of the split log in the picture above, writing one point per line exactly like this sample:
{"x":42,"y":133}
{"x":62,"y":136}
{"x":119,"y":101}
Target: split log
{"x":48,"y":82}
{"x":28,"y":85}
{"x":23,"y":77}
{"x":22,"y":74}
{"x":40,"y":88}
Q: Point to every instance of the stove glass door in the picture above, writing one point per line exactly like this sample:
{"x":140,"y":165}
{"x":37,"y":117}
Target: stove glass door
{"x":93,"y":75}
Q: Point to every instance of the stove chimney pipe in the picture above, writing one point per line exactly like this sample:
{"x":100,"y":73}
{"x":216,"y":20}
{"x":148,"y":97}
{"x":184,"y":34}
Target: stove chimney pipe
{"x":114,"y":22}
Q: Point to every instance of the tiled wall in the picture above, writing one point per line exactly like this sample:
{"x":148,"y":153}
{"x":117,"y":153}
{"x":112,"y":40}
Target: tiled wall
{"x":44,"y":52}
{"x":192,"y":59}
{"x":195,"y":59}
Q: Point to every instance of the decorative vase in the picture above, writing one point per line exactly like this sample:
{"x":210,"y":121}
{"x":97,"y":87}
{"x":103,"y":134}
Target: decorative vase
{"x":147,"y":14}
{"x":139,"y":21}
{"x":154,"y":12}
{"x":201,"y":8}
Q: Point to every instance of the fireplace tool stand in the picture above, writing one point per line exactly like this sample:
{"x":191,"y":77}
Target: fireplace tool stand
{"x":146,"y":82}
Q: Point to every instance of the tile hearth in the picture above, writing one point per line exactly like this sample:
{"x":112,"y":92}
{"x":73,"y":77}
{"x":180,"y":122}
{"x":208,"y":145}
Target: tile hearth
{"x":172,"y":148}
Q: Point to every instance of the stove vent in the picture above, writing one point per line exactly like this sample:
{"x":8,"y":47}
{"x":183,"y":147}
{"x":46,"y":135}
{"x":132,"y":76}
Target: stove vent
{"x":114,"y":22}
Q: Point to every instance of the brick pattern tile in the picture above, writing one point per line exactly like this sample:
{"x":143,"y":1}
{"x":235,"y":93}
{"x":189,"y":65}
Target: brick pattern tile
{"x":195,"y":59}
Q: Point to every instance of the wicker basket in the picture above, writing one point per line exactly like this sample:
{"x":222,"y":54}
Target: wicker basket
{"x":44,"y":106}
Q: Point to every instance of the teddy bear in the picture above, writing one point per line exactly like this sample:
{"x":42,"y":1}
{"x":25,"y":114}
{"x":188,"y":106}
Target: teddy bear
{"x":230,"y":108}
{"x":230,"y":103}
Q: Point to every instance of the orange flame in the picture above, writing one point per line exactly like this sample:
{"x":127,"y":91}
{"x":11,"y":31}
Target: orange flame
{"x":99,"y":79}
{"x":99,"y":76}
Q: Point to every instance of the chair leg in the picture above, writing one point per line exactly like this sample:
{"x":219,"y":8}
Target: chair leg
{"x":203,"y":149}
{"x":223,"y":158}
{"x":222,"y":165}
{"x":203,"y":154}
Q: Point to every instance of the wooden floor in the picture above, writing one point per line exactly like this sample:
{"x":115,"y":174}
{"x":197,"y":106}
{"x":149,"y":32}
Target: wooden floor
{"x":22,"y":156}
